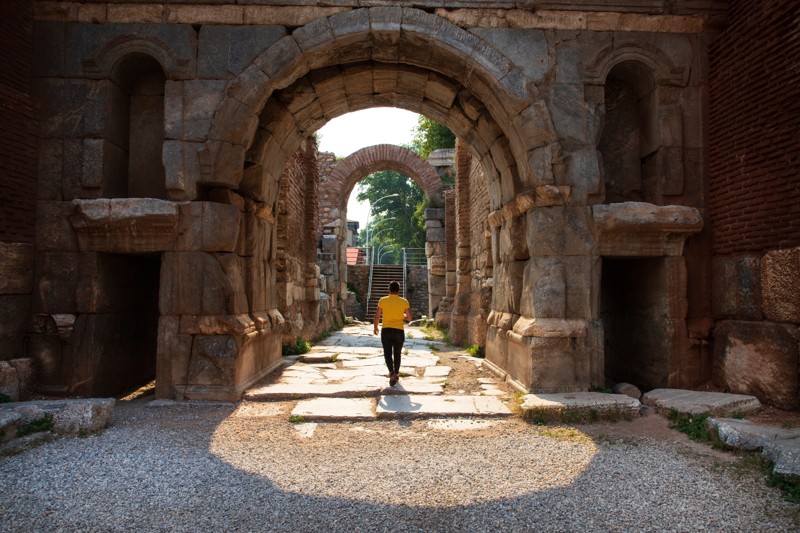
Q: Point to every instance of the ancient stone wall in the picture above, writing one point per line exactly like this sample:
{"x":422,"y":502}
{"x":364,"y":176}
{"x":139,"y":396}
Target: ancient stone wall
{"x":754,"y":201}
{"x":18,"y":184}
{"x":586,"y":119}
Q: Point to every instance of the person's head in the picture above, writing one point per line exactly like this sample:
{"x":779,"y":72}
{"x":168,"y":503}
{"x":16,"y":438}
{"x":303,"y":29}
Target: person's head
{"x":394,"y":287}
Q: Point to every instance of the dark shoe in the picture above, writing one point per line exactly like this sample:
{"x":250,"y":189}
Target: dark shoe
{"x":392,"y":380}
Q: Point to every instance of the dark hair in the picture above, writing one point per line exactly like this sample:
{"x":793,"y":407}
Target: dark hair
{"x":394,"y":287}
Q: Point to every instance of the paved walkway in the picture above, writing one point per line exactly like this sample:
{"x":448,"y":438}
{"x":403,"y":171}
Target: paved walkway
{"x":344,"y":377}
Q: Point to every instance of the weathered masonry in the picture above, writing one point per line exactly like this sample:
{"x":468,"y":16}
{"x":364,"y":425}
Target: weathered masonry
{"x":588,"y":240}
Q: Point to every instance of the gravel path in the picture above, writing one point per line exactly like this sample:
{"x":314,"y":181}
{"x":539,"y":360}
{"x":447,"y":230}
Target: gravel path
{"x":215,"y":468}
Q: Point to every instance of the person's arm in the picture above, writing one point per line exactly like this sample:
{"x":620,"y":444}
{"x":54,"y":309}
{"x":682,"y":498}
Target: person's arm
{"x":407,"y":314}
{"x":377,"y":320}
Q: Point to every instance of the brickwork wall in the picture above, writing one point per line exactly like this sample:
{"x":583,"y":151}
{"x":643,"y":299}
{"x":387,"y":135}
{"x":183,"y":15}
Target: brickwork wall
{"x":754,"y":151}
{"x":18,"y":136}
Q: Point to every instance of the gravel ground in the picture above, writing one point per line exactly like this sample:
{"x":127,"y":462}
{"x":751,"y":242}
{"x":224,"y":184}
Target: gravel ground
{"x":215,"y":468}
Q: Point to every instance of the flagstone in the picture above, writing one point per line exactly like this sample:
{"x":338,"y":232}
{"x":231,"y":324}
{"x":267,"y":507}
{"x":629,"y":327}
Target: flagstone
{"x":414,"y":405}
{"x":336,"y":409}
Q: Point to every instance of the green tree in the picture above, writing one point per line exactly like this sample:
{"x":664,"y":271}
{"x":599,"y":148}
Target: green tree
{"x":393,"y":221}
{"x":429,"y":135}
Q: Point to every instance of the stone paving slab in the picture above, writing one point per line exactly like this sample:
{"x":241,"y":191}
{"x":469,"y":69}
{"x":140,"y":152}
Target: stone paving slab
{"x":437,"y":371}
{"x":413,"y":406}
{"x":359,"y":387}
{"x":578,"y":407}
{"x":779,"y":445}
{"x":329,"y":409}
{"x":700,"y":403}
{"x":318,"y":357}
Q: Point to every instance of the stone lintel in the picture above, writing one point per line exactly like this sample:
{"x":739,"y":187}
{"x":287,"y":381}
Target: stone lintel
{"x":467,"y":14}
{"x":141,"y":225}
{"x":643,"y":229}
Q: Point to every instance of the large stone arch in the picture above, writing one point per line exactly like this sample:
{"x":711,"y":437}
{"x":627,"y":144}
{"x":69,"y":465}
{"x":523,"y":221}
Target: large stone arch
{"x":400,"y":57}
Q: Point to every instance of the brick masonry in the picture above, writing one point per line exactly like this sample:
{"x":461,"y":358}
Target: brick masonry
{"x":18,"y":136}
{"x":754,"y":153}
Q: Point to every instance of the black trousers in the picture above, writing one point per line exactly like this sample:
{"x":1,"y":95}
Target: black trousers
{"x":392,"y":341}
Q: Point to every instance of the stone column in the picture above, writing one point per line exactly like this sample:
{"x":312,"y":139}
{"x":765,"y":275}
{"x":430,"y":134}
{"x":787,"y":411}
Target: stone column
{"x":435,"y":252}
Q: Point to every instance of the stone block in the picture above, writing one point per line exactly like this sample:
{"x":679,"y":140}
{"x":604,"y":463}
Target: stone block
{"x":436,"y":286}
{"x":544,"y":288}
{"x":780,"y":285}
{"x":201,"y":283}
{"x":736,"y":287}
{"x":53,"y":229}
{"x":56,"y":282}
{"x":513,"y":244}
{"x":9,"y":382}
{"x":759,"y":358}
{"x":16,"y":268}
{"x":207,"y":227}
{"x":213,"y":359}
{"x":224,"y":51}
{"x":125,"y":225}
{"x":15,"y":313}
{"x":199,"y":102}
{"x":508,"y":286}
{"x":70,"y":417}
{"x":26,"y":377}
{"x":434,"y":213}
{"x":437,"y":265}
{"x":435,"y":234}
{"x":182,"y":168}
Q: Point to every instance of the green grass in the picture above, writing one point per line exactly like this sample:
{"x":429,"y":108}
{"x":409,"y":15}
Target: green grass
{"x":695,"y":426}
{"x":788,"y":485}
{"x":297,"y":419}
{"x":43,"y":423}
{"x":300,"y":347}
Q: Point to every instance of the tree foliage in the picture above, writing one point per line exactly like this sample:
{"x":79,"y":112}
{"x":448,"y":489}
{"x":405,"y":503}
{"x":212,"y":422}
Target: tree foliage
{"x":394,"y":199}
{"x":429,"y":135}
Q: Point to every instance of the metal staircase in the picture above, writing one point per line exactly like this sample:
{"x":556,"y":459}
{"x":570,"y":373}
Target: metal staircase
{"x":382,"y":275}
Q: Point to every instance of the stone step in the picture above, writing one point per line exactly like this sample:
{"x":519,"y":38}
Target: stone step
{"x":700,"y":403}
{"x":398,"y":407}
{"x":361,"y":387}
{"x":579,"y":407}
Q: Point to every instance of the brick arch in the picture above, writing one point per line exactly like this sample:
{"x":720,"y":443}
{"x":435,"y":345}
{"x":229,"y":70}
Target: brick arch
{"x":371,"y":57}
{"x":371,"y":159}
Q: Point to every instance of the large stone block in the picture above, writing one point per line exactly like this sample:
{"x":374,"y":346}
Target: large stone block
{"x":56,"y":282}
{"x":736,"y":287}
{"x":544,"y":289}
{"x":513,"y":245}
{"x":759,"y":358}
{"x":53,"y":229}
{"x":508,"y":286}
{"x":15,"y":313}
{"x":16,"y":268}
{"x":207,"y":227}
{"x":224,"y":51}
{"x":201,"y":283}
{"x":780,"y":285}
{"x":9,"y":382}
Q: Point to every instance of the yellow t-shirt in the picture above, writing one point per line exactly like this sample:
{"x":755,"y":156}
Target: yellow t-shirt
{"x":393,"y":308}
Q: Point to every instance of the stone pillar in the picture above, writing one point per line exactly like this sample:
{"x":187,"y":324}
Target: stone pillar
{"x":435,"y":252}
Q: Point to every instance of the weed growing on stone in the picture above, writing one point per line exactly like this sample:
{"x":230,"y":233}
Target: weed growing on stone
{"x":300,"y":347}
{"x":476,"y":350}
{"x":434,"y":348}
{"x":695,"y":426}
{"x":297,"y":419}
{"x":43,"y":423}
{"x":788,"y":485}
{"x":334,"y":358}
{"x":5,"y":398}
{"x":604,"y":390}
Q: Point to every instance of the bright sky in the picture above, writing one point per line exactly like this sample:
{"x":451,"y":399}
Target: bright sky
{"x":354,"y":131}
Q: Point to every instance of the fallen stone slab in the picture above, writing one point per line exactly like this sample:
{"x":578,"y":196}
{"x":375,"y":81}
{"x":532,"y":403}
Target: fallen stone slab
{"x":421,"y":406}
{"x":778,"y":445}
{"x":460,"y":424}
{"x":9,"y":422}
{"x":746,"y":435}
{"x":330,"y":409}
{"x":700,"y":402}
{"x":785,"y":456}
{"x":69,"y":417}
{"x":579,"y":407}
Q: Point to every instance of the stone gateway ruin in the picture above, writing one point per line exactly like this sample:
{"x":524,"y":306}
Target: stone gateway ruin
{"x":620,"y":214}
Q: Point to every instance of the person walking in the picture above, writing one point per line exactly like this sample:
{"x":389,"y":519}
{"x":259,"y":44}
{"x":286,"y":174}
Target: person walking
{"x":393,"y":309}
